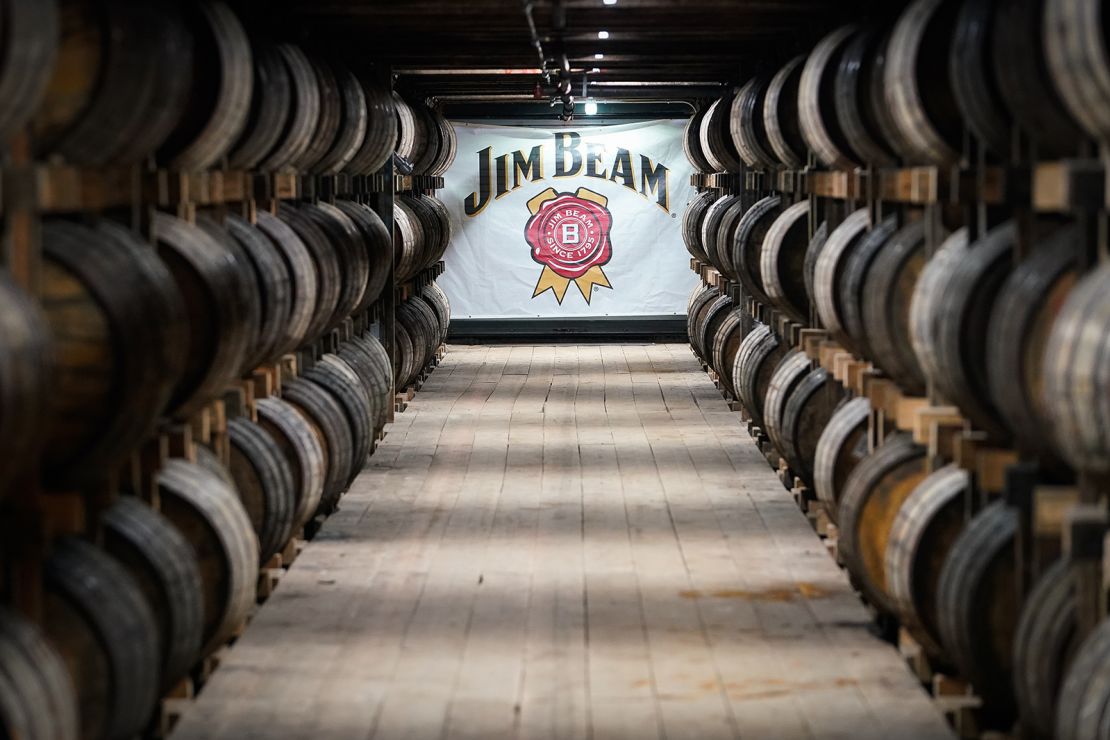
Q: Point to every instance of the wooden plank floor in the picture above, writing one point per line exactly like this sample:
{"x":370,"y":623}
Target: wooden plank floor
{"x":564,"y":542}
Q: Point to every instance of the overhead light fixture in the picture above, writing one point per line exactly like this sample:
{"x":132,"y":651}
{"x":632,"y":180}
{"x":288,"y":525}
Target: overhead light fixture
{"x":591,"y":108}
{"x":595,"y":70}
{"x":599,"y":56}
{"x":609,"y":2}
{"x":603,"y":34}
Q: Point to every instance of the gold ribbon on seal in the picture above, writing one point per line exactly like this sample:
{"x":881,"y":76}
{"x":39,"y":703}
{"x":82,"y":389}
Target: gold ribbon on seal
{"x":553,"y":281}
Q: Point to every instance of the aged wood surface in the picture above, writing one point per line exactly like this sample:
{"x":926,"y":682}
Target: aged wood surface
{"x":564,"y":542}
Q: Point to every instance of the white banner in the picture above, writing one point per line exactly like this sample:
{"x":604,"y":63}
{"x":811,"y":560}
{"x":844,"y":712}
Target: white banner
{"x":568,"y":222}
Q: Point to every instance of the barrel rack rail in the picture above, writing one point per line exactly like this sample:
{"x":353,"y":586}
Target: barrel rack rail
{"x":1053,"y":519}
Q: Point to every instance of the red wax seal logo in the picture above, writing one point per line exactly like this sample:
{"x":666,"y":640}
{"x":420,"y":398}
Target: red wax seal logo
{"x":569,"y":236}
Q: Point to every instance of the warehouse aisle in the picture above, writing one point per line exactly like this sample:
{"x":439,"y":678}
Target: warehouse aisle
{"x":564,"y":542}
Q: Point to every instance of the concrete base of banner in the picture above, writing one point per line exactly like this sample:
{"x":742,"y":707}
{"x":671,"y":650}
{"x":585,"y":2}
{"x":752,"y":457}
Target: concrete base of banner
{"x":607,"y":329}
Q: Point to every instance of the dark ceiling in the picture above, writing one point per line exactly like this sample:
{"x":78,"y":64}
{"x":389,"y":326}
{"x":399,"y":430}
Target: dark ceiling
{"x":482,"y":50}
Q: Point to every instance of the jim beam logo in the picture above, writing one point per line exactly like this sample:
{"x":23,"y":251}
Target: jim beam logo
{"x":569,"y":235}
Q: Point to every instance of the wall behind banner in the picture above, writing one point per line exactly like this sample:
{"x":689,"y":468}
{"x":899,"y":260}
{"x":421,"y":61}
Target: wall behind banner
{"x":568,"y":183}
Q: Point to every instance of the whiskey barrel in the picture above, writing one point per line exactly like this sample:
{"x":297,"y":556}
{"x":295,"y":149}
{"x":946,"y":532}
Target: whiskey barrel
{"x":842,"y":444}
{"x":726,"y":343}
{"x":691,"y":142}
{"x":1084,"y":698}
{"x":977,"y":609}
{"x":119,"y":353}
{"x":207,"y":458}
{"x":817,"y":113}
{"x":423,"y":328}
{"x":326,"y":127}
{"x":922,"y":534}
{"x":1023,"y":315}
{"x":303,"y":220}
{"x":852,"y":284}
{"x":304,"y":281}
{"x":207,"y":511}
{"x":711,"y":231}
{"x":26,"y":364}
{"x":925,"y":314}
{"x":404,"y":367}
{"x":299,"y":125}
{"x":710,"y":321}
{"x":1045,"y":644}
{"x":381,"y":132}
{"x":1076,"y":50}
{"x":747,"y":245}
{"x":274,"y":285}
{"x":210,"y":279}
{"x":974,"y":78}
{"x":379,"y":248}
{"x":368,"y":358}
{"x":692,"y":219}
{"x":165,"y":568}
{"x":759,"y":355}
{"x":218,"y":103}
{"x":809,"y":265}
{"x":780,"y":114}
{"x":703,"y":295}
{"x":856,"y":109}
{"x":428,"y":139}
{"x":829,"y":268}
{"x":790,"y":371}
{"x":715,"y":136}
{"x":782,"y":262}
{"x":406,"y":129}
{"x":448,"y":144}
{"x":439,"y":302}
{"x":408,"y":240}
{"x":350,"y":253}
{"x":37,"y":697}
{"x":265,"y":484}
{"x":884,"y":115}
{"x":271,"y":104}
{"x":726,"y":234}
{"x":31,"y":48}
{"x":747,"y":127}
{"x":1077,"y":373}
{"x":353,"y":120}
{"x":964,"y":305}
{"x":301,"y":448}
{"x":872,"y":496}
{"x":334,"y":375}
{"x":807,"y":412}
{"x":332,"y":430}
{"x":887,"y":292}
{"x":247,"y":289}
{"x":431,"y":221}
{"x":1025,"y":37}
{"x":99,"y":621}
{"x":918,"y":88}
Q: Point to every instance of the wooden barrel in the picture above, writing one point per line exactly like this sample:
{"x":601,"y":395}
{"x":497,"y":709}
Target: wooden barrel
{"x":270,"y":108}
{"x":691,"y":142}
{"x":326,"y":127}
{"x":98,"y":620}
{"x":842,"y":444}
{"x":424,"y":328}
{"x":332,"y":430}
{"x":791,"y":369}
{"x":350,"y":252}
{"x":299,"y":125}
{"x":1076,"y":50}
{"x":439,"y":302}
{"x":715,"y":137}
{"x":711,"y":231}
{"x":726,"y":343}
{"x":218,"y":103}
{"x":381,"y":132}
{"x":884,"y":115}
{"x":335,"y":376}
{"x":930,"y":519}
{"x":165,"y":568}
{"x":747,"y":245}
{"x":887,"y":293}
{"x":304,"y":220}
{"x":378,"y":246}
{"x":247,"y":290}
{"x":264,"y":480}
{"x":782,"y":262}
{"x":974,"y":81}
{"x":780,"y":115}
{"x":1084,"y":698}
{"x":26,"y":364}
{"x":964,"y":307}
{"x":1025,"y":82}
{"x":809,"y":265}
{"x":830,"y":266}
{"x":918,"y":89}
{"x":759,"y":355}
{"x":1017,"y":335}
{"x":406,"y":129}
{"x":430,"y":221}
{"x":37,"y":697}
{"x":368,"y":358}
{"x":978,"y":610}
{"x":207,"y":511}
{"x":405,"y":365}
{"x":1077,"y":374}
{"x":274,"y":286}
{"x":429,"y":139}
{"x":924,"y":317}
{"x":448,"y":144}
{"x":31,"y":48}
{"x":726,"y":234}
{"x":353,"y":122}
{"x":711,"y":319}
{"x":702,"y":297}
{"x":444,"y":218}
{"x":746,"y":124}
{"x":301,"y":448}
{"x":874,"y":492}
{"x":817,"y":113}
{"x":852,"y":285}
{"x":1044,"y":646}
{"x":408,"y":240}
{"x":855,"y":106}
{"x":118,"y":353}
{"x":806,"y":414}
{"x":304,"y":281}
{"x":209,"y":277}
{"x":692,"y":219}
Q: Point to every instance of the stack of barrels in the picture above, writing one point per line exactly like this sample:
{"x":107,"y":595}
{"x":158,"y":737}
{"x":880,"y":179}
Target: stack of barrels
{"x":130,"y":333}
{"x":1001,"y":316}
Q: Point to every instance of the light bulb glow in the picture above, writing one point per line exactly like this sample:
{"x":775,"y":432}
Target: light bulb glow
{"x":609,"y":2}
{"x":603,"y":34}
{"x":591,"y":108}
{"x":599,"y":56}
